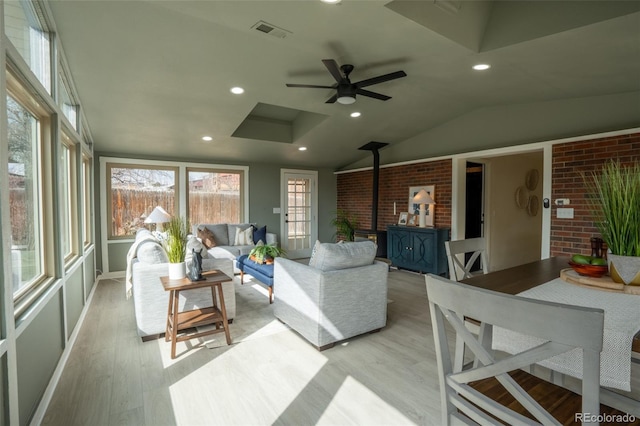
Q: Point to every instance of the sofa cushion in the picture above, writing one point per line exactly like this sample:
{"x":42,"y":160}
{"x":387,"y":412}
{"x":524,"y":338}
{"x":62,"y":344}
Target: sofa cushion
{"x":194,"y":243}
{"x":313,"y":260}
{"x":331,"y":257}
{"x":151,"y":252}
{"x":231,"y":236}
{"x":206,"y":237}
{"x":259,"y":234}
{"x":244,"y":237}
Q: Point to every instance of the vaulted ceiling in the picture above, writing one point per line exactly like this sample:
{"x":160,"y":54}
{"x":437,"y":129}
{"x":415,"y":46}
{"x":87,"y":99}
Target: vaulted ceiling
{"x":154,"y":77}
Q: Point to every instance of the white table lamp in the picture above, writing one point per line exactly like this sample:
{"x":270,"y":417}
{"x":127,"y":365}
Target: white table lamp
{"x":423,"y":198}
{"x":158,"y":216}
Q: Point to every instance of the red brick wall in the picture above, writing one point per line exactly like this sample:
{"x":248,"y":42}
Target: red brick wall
{"x":355,"y":192}
{"x":570,"y":236}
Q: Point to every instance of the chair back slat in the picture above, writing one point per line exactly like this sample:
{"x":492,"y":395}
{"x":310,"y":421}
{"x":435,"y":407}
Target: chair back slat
{"x":456,"y":250}
{"x":562,"y":328}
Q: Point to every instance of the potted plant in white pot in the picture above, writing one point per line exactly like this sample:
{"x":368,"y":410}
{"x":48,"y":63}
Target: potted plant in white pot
{"x":175,"y":244}
{"x":615,"y":204}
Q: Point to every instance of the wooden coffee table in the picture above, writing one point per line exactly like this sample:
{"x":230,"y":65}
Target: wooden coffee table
{"x":178,"y":321}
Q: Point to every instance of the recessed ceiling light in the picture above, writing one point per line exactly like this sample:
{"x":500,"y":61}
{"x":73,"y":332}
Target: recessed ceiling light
{"x":302,"y":148}
{"x":481,"y":67}
{"x":237,"y":90}
{"x":331,"y":1}
{"x":355,"y":114}
{"x":207,"y":138}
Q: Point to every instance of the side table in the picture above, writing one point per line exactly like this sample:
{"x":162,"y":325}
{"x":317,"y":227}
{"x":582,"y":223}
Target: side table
{"x":178,"y":321}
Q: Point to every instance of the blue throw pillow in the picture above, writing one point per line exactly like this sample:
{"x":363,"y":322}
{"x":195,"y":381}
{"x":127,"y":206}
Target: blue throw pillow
{"x":260,"y":234}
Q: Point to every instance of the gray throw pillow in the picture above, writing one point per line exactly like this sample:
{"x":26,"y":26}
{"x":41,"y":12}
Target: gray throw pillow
{"x":220,"y":233}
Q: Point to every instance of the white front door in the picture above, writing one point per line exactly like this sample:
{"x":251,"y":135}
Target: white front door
{"x":299,"y":221}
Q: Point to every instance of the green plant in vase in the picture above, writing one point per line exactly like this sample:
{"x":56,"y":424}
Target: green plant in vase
{"x":263,"y":253}
{"x":175,"y":245}
{"x":345,"y":224}
{"x":614,"y":199}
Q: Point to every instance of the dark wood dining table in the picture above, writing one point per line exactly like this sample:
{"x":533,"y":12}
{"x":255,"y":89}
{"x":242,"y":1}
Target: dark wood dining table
{"x":520,"y":278}
{"x":524,"y":277}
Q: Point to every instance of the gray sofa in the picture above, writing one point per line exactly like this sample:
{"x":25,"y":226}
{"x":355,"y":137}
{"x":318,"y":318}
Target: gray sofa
{"x":341,"y":293}
{"x":225,"y":237}
{"x":147,"y":262}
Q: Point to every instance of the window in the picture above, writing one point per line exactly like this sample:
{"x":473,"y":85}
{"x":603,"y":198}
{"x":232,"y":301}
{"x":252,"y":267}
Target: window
{"x":134,"y":191}
{"x":68,"y":106}
{"x":214,"y":196}
{"x":28,"y":34}
{"x":69,"y":199}
{"x":86,"y":205}
{"x":25,"y":201}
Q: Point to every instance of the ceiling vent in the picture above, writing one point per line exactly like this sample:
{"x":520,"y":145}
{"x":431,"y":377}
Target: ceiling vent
{"x":272,"y":30}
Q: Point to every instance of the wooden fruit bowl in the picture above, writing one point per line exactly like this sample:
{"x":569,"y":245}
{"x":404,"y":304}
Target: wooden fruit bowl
{"x":587,"y":270}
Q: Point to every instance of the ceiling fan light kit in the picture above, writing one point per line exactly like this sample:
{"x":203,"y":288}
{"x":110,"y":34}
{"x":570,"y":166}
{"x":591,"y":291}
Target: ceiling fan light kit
{"x":346,"y":90}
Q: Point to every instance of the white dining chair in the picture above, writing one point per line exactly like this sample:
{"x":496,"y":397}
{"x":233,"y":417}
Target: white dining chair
{"x":456,"y":250}
{"x":561,"y":327}
{"x":459,"y":270}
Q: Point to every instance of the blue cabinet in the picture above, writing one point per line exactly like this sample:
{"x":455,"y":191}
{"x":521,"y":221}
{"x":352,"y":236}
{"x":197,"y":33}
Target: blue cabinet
{"x":418,"y":249}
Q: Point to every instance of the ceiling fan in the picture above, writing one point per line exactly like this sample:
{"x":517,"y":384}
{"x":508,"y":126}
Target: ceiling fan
{"x":346,"y":90}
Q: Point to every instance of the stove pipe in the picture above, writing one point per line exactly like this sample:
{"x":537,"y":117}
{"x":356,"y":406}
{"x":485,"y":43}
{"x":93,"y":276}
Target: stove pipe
{"x":374,"y":147}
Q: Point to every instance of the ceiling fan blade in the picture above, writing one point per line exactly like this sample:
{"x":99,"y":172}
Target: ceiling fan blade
{"x":312,"y":86}
{"x":381,"y":79}
{"x":332,"y":100}
{"x":373,"y":94}
{"x":332,"y":66}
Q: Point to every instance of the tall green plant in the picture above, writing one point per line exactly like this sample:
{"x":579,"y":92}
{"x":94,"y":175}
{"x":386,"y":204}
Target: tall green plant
{"x":175,"y":244}
{"x":345,"y":224}
{"x":615,"y":204}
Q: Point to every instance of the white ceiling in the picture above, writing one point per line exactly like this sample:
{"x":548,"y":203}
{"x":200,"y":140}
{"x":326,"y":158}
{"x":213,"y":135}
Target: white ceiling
{"x":154,"y":76}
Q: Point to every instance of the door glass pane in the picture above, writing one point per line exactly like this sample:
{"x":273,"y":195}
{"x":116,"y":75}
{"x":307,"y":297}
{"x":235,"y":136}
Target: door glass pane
{"x":214,"y":197}
{"x":299,"y":214}
{"x":24,"y":199}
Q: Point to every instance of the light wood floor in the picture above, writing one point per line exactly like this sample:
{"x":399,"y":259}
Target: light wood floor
{"x":386,"y":378}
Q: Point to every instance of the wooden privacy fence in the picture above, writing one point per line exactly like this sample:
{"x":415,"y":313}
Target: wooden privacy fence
{"x":210,"y":207}
{"x":132,"y":206}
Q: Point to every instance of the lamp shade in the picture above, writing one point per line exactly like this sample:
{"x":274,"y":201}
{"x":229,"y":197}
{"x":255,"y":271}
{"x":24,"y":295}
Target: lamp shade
{"x":158,"y":215}
{"x":423,"y":197}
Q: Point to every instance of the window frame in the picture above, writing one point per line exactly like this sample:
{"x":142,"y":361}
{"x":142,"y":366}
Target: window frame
{"x":70,"y":170}
{"x":19,"y":90}
{"x":36,"y":19}
{"x":87,"y":191}
{"x":222,"y":169}
{"x":126,"y":165}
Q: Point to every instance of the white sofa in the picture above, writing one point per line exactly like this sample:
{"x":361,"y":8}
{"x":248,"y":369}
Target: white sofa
{"x":147,"y":262}
{"x":342,"y":293}
{"x":225,"y":238}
